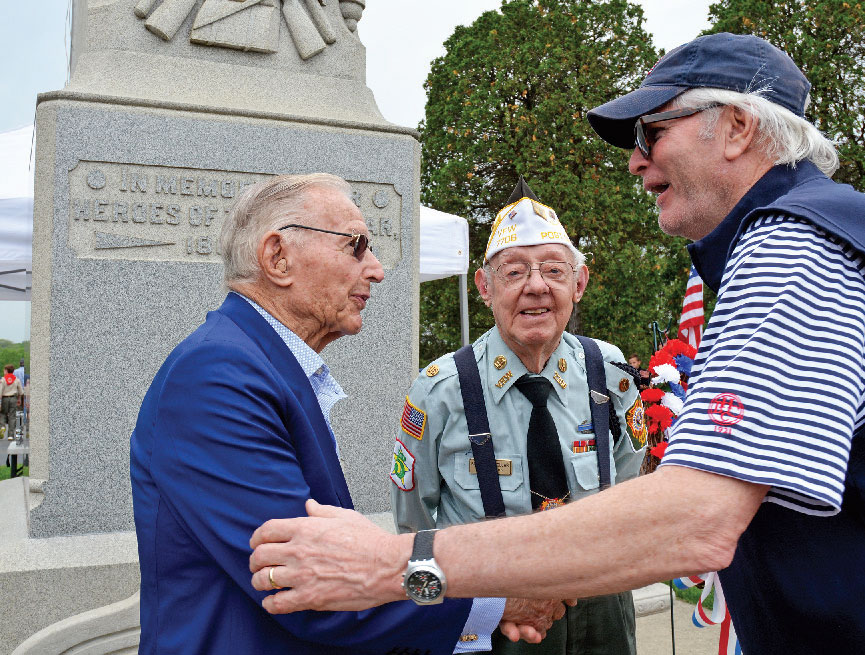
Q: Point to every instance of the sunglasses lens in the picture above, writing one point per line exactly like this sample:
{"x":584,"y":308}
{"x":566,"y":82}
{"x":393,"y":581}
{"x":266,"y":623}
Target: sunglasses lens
{"x":361,"y":243}
{"x":640,"y":139}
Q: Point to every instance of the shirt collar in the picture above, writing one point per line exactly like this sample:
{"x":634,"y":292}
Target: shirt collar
{"x":710,"y":254}
{"x":310,"y":361}
{"x":514,"y":369}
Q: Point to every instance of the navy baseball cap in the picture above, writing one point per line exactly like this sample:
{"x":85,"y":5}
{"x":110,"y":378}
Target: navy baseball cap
{"x":736,"y":62}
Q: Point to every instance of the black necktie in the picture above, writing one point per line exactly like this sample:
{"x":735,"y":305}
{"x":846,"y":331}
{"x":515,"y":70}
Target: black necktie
{"x":547,"y":477}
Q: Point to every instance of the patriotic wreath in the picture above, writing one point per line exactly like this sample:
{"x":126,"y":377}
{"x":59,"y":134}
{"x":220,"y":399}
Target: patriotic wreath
{"x":663,"y":400}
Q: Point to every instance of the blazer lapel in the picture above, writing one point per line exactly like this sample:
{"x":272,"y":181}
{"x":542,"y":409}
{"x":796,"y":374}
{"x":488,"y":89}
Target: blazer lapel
{"x":271,"y":344}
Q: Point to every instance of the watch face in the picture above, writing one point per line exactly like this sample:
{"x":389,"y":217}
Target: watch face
{"x":424,"y":586}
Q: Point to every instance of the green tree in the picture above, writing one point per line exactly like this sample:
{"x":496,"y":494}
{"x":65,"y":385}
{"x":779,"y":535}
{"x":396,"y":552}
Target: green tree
{"x":826,"y":38}
{"x":509,"y":97}
{"x":13,"y":353}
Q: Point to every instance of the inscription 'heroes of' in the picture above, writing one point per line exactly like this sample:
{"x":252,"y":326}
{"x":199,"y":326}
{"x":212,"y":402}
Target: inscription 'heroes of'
{"x":134,"y":183}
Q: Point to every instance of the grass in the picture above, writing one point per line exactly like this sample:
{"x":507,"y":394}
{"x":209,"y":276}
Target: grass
{"x":692,"y":595}
{"x":5,"y":471}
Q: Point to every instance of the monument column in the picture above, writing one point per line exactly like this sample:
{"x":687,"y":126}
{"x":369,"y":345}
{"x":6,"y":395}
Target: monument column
{"x":172,"y":109}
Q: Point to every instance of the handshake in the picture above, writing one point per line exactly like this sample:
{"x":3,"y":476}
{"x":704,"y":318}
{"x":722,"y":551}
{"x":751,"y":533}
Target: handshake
{"x":336,"y":559}
{"x":530,"y":618}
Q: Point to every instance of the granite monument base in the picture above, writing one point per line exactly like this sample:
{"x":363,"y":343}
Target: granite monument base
{"x":129,"y":203}
{"x":44,"y":581}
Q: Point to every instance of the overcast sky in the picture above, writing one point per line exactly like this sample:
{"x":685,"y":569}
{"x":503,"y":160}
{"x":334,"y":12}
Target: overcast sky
{"x":402,"y":37}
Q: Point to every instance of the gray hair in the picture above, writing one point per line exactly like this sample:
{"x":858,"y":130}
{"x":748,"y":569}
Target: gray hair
{"x":264,"y":207}
{"x":782,"y":136}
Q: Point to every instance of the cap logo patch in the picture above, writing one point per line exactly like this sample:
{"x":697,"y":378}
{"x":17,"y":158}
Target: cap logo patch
{"x":544,"y":212}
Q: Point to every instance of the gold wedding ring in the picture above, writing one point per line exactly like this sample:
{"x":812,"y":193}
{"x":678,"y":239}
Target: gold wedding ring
{"x":270,"y":577}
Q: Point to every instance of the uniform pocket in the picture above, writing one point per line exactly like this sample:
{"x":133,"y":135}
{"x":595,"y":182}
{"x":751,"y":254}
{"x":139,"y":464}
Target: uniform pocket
{"x":586,"y":469}
{"x":467,"y":480}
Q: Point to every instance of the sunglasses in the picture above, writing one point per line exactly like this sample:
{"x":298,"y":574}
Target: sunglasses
{"x":359,"y":242}
{"x":644,"y":139}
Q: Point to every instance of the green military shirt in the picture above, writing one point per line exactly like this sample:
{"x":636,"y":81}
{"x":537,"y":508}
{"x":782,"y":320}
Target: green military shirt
{"x":432,"y":467}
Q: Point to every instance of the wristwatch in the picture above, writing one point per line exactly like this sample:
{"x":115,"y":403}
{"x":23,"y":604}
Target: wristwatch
{"x":424,"y":581}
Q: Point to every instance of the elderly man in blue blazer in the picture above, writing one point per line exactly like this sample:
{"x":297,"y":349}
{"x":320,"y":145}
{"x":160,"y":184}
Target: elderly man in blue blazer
{"x":249,"y":385}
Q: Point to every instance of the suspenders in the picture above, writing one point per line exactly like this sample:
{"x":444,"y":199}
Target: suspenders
{"x":479,"y":432}
{"x":599,"y":404}
{"x":479,"y":427}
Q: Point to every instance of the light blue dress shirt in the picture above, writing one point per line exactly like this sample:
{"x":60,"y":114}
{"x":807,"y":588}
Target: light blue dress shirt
{"x":486,"y":613}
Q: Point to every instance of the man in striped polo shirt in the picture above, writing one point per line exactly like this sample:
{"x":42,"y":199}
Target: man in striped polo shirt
{"x":764,"y":477}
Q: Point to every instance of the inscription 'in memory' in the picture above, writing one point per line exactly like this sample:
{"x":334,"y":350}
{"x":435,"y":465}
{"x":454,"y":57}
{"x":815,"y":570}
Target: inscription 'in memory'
{"x":125,"y":211}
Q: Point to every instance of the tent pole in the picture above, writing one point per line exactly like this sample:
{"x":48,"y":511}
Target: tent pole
{"x":464,"y":308}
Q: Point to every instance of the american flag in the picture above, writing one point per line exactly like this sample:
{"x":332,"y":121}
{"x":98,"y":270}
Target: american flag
{"x":691,"y":321}
{"x":413,"y":420}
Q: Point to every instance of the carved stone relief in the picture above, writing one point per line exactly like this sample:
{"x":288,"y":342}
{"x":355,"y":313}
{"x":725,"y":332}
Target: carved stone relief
{"x":251,"y":25}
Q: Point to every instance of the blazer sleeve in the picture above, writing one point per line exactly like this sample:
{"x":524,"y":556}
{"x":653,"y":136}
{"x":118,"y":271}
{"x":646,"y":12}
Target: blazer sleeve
{"x":235,"y":450}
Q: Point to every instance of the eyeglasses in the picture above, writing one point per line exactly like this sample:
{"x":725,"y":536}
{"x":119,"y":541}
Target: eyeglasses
{"x":516,"y":273}
{"x":645,"y":139}
{"x":359,"y":242}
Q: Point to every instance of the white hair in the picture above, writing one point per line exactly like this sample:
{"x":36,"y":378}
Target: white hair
{"x":262,"y":208}
{"x":781,"y":135}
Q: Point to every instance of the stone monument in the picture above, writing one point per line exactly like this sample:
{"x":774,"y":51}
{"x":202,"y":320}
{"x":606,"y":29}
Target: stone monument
{"x":172,"y":109}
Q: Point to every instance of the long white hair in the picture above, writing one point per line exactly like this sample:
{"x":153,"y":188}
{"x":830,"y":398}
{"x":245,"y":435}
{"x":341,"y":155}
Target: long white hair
{"x":783,"y":136}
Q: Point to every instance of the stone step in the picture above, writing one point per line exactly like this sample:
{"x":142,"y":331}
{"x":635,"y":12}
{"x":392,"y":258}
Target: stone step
{"x":13,"y":510}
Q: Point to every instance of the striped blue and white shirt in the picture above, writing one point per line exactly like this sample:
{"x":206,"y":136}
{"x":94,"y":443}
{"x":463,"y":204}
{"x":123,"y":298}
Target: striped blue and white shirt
{"x":779,"y":381}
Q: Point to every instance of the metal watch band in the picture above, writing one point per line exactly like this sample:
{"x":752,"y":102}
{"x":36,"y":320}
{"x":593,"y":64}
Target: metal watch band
{"x":423,"y":545}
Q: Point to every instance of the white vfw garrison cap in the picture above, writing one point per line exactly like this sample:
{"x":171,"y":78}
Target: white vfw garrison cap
{"x":525,"y":222}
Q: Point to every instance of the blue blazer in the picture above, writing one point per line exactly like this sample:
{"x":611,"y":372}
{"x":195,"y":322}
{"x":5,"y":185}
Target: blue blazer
{"x":230,"y":435}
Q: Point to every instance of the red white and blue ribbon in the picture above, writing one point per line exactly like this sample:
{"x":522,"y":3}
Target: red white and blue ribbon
{"x":729,"y":642}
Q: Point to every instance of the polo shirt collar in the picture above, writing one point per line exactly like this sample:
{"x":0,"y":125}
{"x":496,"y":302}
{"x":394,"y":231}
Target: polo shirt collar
{"x":710,"y":254}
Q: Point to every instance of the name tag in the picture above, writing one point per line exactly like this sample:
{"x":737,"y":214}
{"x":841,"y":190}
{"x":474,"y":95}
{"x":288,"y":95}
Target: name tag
{"x":502,"y":465}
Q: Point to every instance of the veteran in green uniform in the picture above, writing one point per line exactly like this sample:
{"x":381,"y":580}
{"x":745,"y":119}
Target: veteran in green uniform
{"x":531,"y":277}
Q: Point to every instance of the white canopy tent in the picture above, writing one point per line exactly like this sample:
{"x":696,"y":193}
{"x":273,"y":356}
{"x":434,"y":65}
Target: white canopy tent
{"x":444,"y":245}
{"x":444,"y":238}
{"x":16,"y":214}
{"x":444,"y":251}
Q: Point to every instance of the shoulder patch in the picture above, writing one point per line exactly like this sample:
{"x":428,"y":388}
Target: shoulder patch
{"x":413,"y":420}
{"x":636,"y":421}
{"x":402,"y":473}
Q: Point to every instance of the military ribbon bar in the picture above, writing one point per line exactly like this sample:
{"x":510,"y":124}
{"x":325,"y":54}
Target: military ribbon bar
{"x":584,"y":445}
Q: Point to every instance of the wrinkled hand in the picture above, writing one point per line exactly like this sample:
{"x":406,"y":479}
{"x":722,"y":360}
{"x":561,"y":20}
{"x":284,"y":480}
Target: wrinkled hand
{"x":529,"y":619}
{"x":336,"y":559}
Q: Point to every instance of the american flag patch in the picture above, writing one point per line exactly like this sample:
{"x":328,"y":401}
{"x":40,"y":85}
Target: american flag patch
{"x":413,"y":420}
